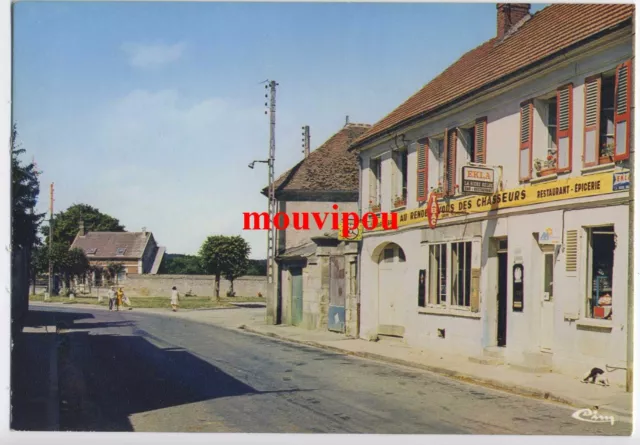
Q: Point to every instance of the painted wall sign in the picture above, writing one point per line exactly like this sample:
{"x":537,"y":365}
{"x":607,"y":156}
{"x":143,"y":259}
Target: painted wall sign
{"x":621,"y":180}
{"x":478,"y":180}
{"x":569,"y":188}
{"x":433,"y":211}
{"x":518,"y":287}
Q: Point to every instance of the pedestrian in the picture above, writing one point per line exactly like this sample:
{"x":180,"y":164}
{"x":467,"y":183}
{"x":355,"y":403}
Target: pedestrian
{"x":119,"y":296}
{"x":126,"y":301}
{"x":112,"y":297}
{"x":174,"y":299}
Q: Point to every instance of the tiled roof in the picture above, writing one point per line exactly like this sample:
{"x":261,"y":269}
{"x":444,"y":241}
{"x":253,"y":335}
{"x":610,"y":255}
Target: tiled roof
{"x":108,"y":243}
{"x":330,"y":167}
{"x":547,"y":32}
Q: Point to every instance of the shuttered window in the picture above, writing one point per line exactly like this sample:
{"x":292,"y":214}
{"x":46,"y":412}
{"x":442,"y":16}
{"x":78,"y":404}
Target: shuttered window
{"x":526,"y":138}
{"x":480,"y":144}
{"x":571,"y":251}
{"x":423,"y":169}
{"x":564,"y":128}
{"x":591,"y":121}
{"x":622,"y":111}
{"x":451,"y":139}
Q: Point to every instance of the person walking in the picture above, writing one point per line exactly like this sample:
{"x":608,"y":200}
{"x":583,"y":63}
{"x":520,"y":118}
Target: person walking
{"x":119,"y":296}
{"x":126,"y":300}
{"x":112,"y":297}
{"x":174,"y":299}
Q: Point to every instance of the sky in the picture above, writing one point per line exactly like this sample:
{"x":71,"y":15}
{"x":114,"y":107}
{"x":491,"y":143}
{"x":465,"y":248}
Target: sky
{"x":151,"y":112}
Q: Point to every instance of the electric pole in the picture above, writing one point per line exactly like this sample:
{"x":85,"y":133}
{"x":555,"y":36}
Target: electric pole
{"x":272,"y":195}
{"x":306,"y":141}
{"x":50,"y":290}
{"x":630,"y":257}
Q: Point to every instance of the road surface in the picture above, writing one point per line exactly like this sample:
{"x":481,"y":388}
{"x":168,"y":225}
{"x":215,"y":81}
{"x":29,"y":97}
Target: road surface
{"x":129,"y":371}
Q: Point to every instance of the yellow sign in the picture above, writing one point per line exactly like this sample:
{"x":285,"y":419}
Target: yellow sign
{"x":570,"y":188}
{"x":354,"y":234}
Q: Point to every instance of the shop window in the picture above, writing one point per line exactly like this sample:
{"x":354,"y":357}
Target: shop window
{"x":601,"y":246}
{"x":461,"y":274}
{"x":438,"y":274}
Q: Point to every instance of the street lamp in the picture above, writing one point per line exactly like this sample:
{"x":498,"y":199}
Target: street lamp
{"x":253,"y":163}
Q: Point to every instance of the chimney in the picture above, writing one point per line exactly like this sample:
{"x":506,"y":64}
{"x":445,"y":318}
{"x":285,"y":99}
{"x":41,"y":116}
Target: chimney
{"x":81,"y":231}
{"x":306,"y":141}
{"x":509,"y":14}
{"x":144,"y":231}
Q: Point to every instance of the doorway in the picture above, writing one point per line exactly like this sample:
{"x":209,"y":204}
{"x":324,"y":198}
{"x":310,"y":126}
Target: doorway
{"x":391,"y":268}
{"x":296,"y":296}
{"x":546,"y":316}
{"x":503,"y":271}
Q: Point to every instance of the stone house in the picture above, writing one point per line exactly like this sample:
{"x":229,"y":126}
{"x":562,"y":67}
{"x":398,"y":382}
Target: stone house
{"x":315,"y":284}
{"x":138,"y":252}
{"x":524,"y":144}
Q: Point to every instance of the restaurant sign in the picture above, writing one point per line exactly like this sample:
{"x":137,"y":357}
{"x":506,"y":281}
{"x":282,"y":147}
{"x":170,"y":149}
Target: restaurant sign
{"x":570,"y":188}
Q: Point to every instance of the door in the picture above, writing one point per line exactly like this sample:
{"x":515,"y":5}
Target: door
{"x":546,"y":301}
{"x":391,"y":269}
{"x":503,"y":271}
{"x":336,"y":294}
{"x":296,"y":296}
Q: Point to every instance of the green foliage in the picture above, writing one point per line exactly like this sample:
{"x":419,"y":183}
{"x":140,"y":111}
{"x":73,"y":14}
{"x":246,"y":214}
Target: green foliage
{"x":177,"y":264}
{"x":257,"y":267}
{"x":25,"y":188}
{"x":112,"y":270}
{"x":225,"y":255}
{"x":66,"y":224}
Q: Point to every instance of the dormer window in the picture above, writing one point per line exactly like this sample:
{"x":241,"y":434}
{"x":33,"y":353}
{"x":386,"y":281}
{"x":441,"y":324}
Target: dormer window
{"x":120,"y":251}
{"x":91,"y":251}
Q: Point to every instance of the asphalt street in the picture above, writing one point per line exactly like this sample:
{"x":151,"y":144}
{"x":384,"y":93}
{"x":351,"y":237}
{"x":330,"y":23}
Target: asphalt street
{"x":129,"y":371}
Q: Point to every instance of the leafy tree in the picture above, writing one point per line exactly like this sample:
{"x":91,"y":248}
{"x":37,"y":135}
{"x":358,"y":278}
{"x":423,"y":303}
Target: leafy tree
{"x":66,"y":223}
{"x":113,"y":270}
{"x":177,"y":264}
{"x":25,"y":188}
{"x":224,"y":255}
{"x":257,"y":267}
{"x":78,"y":263}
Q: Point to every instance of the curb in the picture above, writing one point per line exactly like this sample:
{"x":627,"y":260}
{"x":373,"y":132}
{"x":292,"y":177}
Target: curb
{"x":467,"y":378}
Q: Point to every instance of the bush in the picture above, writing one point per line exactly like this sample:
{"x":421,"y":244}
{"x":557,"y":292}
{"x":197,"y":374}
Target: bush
{"x":231,"y":294}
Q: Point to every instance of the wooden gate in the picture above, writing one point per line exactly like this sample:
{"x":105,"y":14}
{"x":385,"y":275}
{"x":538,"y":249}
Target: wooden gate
{"x":336,"y":316}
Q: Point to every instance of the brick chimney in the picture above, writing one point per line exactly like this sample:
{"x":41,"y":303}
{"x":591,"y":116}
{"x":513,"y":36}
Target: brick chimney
{"x":509,"y":14}
{"x":81,"y":227}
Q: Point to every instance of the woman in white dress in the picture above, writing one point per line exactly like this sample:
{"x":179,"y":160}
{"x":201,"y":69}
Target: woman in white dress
{"x":174,"y":299}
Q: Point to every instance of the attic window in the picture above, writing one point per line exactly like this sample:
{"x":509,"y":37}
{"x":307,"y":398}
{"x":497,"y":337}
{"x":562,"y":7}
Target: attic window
{"x":92,"y":251}
{"x":121,"y":250}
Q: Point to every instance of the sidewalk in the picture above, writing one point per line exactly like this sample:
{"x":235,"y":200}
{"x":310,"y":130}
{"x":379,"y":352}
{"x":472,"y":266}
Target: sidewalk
{"x":548,"y":386}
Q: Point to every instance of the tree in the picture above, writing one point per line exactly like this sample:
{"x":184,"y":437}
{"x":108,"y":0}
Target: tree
{"x":113,"y":270}
{"x":78,"y":264}
{"x":177,"y":264}
{"x":66,"y":223}
{"x":224,"y":255}
{"x":257,"y":267}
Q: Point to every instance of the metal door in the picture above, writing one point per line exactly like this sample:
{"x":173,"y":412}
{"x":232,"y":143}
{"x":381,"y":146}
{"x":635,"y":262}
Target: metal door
{"x":296,"y":296}
{"x":336,"y":294}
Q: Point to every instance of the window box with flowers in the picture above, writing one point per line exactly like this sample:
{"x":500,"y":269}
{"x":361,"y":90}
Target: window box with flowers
{"x":606,"y":153}
{"x":438,"y":191}
{"x":548,"y":166}
{"x":375,"y":208}
{"x":399,"y":201}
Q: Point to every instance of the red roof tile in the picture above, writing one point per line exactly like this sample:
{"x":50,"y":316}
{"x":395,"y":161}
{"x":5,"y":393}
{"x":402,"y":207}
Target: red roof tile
{"x":108,"y":243}
{"x":550,"y":30}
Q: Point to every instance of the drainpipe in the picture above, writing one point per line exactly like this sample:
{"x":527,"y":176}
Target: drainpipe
{"x":630,"y":290}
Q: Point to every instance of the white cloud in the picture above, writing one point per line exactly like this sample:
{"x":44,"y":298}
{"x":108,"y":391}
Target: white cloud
{"x":152,"y":55}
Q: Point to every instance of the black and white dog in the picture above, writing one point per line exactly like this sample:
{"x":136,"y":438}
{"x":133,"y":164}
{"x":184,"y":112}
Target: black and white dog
{"x":596,"y":375}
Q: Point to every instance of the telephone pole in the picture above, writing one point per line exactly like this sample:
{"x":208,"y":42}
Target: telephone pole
{"x":50,"y":289}
{"x":271,"y":248}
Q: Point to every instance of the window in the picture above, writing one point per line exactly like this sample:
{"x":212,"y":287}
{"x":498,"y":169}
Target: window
{"x":436,"y":164}
{"x":548,"y":275}
{"x":121,"y":250}
{"x":450,"y":273}
{"x":450,"y":162}
{"x":422,"y":181}
{"x":122,"y":274}
{"x":400,"y":178}
{"x":607,"y":116}
{"x":92,"y":251}
{"x":526,"y":136}
{"x":375,"y":186}
{"x":552,"y":146}
{"x":388,"y":255}
{"x":551,"y":106}
{"x":468,"y":136}
{"x":601,"y":246}
{"x":480,"y":143}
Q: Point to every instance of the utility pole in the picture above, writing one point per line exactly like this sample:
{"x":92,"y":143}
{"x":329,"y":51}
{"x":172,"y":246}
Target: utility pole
{"x":50,"y":289}
{"x":630,"y":265}
{"x":271,"y":248}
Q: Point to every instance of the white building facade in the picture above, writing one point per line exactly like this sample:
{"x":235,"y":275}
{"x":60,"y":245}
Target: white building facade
{"x":534,"y":275}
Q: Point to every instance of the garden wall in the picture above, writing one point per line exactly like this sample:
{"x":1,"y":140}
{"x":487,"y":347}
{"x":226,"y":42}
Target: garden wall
{"x":197,"y":285}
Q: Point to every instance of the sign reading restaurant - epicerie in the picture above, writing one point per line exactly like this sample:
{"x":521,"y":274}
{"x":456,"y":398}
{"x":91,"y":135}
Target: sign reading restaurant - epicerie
{"x":591,"y":185}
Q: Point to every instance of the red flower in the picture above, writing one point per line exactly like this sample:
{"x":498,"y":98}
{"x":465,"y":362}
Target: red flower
{"x":549,"y":158}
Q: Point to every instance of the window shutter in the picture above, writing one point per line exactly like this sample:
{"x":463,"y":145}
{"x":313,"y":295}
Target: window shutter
{"x":564,"y":128}
{"x":526,"y":137}
{"x":591,"y":152}
{"x":481,"y":141}
{"x":423,"y":169}
{"x":372,"y":181}
{"x":450,"y":162}
{"x":622,"y":115}
{"x":571,"y":251}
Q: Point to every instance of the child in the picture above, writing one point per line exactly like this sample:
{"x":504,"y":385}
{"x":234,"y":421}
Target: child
{"x":174,"y":299}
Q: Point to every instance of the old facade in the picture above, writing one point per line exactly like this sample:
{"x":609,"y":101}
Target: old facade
{"x":315,"y":285}
{"x":534,"y":273}
{"x":138,"y":252}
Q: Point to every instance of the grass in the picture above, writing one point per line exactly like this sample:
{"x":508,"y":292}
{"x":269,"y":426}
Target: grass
{"x":153,"y":302}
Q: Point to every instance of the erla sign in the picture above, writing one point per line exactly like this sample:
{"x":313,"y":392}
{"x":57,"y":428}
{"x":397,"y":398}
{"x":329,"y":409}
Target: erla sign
{"x":433,"y":210}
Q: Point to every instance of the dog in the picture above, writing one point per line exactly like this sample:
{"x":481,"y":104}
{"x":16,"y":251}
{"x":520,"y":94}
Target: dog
{"x":598,"y":376}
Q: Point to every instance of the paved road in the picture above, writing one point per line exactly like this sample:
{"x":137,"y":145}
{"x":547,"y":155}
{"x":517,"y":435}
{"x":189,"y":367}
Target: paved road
{"x":130,"y":371}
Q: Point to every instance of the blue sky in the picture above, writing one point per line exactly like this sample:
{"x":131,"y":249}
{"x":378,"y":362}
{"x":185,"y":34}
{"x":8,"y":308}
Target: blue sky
{"x":152,"y":111}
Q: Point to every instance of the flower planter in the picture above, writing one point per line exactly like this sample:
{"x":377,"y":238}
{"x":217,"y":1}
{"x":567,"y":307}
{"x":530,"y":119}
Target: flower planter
{"x":399,"y":203}
{"x":547,"y":172}
{"x":605,"y":160}
{"x":374,"y":209}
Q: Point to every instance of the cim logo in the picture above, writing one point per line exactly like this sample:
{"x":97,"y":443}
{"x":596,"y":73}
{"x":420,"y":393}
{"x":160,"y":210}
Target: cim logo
{"x":592,"y":416}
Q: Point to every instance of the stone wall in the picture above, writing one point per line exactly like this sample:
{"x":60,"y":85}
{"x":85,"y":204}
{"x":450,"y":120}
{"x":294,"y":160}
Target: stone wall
{"x":199,"y":285}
